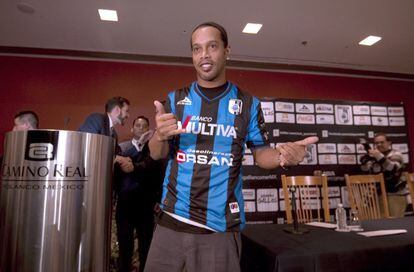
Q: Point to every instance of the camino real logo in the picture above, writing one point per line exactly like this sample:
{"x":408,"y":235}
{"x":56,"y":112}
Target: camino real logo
{"x":235,"y":106}
{"x":41,"y":145}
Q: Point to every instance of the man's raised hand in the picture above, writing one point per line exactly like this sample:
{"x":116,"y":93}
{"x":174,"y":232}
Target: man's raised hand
{"x":166,"y":123}
{"x":293,"y":153}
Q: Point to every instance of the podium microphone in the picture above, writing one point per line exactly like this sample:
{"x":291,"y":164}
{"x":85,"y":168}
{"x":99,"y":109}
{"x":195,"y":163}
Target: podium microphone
{"x":66,"y":122}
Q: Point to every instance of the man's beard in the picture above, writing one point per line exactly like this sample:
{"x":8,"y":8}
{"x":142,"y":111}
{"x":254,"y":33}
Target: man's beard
{"x":121,"y":119}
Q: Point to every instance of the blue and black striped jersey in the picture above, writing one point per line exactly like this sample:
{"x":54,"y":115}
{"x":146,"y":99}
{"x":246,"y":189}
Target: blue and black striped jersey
{"x":203,"y":180}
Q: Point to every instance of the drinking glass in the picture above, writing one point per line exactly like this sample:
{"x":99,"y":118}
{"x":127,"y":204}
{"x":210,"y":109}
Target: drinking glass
{"x":354,"y":222}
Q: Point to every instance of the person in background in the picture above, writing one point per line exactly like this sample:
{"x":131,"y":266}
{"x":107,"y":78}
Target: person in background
{"x":25,"y":120}
{"x":202,"y":129}
{"x":116,"y":113}
{"x":138,"y":194}
{"x":383,"y":159}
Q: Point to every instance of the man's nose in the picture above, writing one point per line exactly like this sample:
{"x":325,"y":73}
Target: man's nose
{"x":205,"y":53}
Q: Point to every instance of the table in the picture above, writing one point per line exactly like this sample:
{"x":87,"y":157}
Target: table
{"x":269,"y":248}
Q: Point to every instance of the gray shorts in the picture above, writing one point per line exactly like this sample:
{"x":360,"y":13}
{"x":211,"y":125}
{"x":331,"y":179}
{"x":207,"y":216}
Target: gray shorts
{"x":173,"y":251}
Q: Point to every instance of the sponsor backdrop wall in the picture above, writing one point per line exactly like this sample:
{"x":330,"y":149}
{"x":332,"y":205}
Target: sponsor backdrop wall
{"x":341,"y":127}
{"x":64,"y":91}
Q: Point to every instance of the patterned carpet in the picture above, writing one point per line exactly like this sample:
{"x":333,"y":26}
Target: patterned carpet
{"x":115,"y":249}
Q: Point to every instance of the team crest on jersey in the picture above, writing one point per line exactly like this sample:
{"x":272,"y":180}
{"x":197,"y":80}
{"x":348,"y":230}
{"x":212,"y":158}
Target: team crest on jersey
{"x":234,"y":207}
{"x":185,"y":101}
{"x":235,"y":106}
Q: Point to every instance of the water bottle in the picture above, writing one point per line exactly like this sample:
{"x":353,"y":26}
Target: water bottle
{"x":340,"y":215}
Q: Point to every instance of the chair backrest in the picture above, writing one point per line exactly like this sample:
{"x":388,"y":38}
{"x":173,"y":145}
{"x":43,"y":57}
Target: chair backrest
{"x":308,"y":190}
{"x":364,"y":193}
{"x":410,"y":183}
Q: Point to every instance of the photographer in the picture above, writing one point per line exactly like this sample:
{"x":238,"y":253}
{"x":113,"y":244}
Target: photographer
{"x":384,"y":159}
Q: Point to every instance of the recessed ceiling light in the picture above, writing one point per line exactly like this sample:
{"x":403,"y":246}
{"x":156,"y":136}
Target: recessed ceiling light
{"x":25,"y":7}
{"x":108,"y":15}
{"x":251,"y":28}
{"x":370,"y":40}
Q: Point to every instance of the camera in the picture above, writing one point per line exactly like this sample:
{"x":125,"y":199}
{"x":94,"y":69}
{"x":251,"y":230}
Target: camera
{"x":366,"y":158}
{"x":365,"y":144}
{"x":367,"y":147}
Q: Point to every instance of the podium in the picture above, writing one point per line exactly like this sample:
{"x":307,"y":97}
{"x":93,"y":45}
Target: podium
{"x":55,"y":201}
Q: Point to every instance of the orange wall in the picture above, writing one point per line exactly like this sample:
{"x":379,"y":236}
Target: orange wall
{"x":58,"y":89}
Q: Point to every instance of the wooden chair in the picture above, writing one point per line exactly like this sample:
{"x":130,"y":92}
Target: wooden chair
{"x":308,"y":190}
{"x":364,"y":196}
{"x":410,"y":183}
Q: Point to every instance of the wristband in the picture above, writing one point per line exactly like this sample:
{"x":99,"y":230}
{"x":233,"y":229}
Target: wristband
{"x":285,"y":168}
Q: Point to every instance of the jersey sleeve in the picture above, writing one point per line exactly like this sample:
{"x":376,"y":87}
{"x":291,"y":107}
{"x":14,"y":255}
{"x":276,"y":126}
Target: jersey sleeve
{"x":169,"y":106}
{"x":257,"y":135}
{"x":169,"y":103}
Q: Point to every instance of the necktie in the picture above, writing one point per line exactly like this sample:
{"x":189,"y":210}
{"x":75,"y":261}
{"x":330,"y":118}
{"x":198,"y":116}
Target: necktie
{"x":113,"y":135}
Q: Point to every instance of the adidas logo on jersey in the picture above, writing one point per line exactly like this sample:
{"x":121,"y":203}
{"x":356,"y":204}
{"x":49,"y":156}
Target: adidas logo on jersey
{"x":185,"y":101}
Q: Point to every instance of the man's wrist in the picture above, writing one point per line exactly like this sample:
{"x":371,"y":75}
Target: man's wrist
{"x":280,"y":163}
{"x":158,"y":137}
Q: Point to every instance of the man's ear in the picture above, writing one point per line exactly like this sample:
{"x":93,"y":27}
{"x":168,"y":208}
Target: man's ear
{"x":227,"y":50}
{"x":27,"y":126}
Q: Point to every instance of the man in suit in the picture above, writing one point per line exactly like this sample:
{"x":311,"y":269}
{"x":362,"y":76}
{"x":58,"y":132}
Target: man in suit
{"x":116,"y":113}
{"x":24,"y":120}
{"x":141,"y":134}
{"x":138,"y":193}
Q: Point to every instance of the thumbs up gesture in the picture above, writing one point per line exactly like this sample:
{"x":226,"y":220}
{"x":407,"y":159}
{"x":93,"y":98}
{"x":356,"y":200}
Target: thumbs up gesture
{"x":293,"y":153}
{"x":166,"y":123}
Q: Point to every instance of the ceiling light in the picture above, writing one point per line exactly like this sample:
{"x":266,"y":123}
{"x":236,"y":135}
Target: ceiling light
{"x":370,"y":40}
{"x":251,"y":28}
{"x":108,"y":15}
{"x":25,"y":7}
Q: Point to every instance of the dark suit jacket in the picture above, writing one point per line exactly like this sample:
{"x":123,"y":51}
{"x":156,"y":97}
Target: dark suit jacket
{"x":98,"y":123}
{"x":140,"y":189}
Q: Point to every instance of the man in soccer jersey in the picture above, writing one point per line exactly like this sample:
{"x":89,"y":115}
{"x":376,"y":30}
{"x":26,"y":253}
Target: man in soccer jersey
{"x":203,"y":129}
